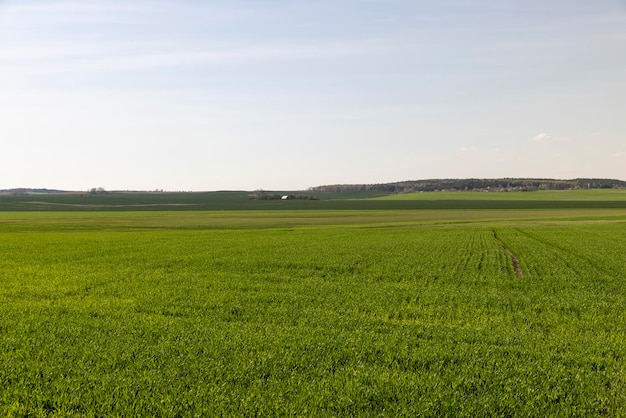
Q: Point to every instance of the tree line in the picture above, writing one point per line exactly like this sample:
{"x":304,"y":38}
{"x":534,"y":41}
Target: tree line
{"x":495,"y":185}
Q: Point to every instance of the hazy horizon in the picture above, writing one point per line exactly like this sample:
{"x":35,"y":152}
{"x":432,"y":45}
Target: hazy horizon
{"x":277,"y":95}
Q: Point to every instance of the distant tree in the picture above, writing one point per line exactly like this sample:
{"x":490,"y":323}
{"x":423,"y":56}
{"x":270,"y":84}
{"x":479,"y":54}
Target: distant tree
{"x":96,"y":190}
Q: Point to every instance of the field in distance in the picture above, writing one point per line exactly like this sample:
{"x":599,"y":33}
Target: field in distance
{"x":314,"y":312}
{"x":541,"y":195}
{"x":240,"y":200}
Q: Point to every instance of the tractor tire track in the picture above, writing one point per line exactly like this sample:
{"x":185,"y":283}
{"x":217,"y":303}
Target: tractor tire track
{"x":569,"y":252}
{"x":516,"y":266}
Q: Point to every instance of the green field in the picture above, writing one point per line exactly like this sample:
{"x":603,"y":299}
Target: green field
{"x":349,"y":310}
{"x":240,"y":201}
{"x":601,"y":195}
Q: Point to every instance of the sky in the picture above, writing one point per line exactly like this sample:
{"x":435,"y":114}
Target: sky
{"x":288,"y":94}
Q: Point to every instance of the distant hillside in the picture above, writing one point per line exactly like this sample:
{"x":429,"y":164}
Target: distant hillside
{"x":490,"y":185}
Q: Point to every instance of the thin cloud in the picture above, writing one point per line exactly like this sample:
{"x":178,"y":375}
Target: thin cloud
{"x":98,"y":57}
{"x":542,"y":137}
{"x":545,"y":137}
{"x":71,"y":7}
{"x":45,"y":13}
{"x":145,"y":47}
{"x":620,"y":154}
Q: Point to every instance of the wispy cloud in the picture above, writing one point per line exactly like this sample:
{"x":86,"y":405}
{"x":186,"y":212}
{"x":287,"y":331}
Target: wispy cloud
{"x":542,"y":137}
{"x":37,"y":13}
{"x":620,"y":154}
{"x":71,"y":6}
{"x":142,"y":35}
{"x":102,"y":57}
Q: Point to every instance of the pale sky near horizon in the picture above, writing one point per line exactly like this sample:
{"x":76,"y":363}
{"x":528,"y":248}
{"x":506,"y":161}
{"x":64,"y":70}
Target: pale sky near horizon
{"x":277,"y":94}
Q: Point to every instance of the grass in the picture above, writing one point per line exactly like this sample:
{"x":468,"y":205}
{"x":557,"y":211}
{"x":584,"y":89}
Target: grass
{"x":313,"y":313}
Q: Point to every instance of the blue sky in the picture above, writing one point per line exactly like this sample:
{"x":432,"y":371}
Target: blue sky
{"x":276,"y":94}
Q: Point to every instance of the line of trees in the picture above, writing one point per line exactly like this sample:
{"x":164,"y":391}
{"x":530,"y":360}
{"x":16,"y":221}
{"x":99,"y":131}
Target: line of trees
{"x":504,"y":184}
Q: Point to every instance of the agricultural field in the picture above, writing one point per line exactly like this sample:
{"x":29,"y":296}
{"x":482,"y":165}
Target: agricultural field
{"x":240,"y":201}
{"x":378,"y":311}
{"x":600,"y":195}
